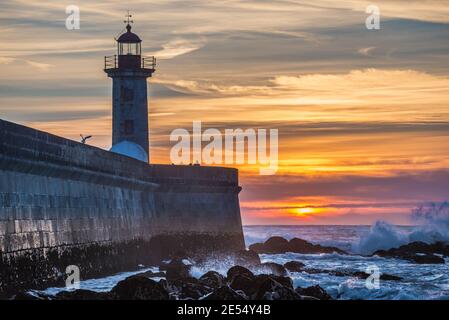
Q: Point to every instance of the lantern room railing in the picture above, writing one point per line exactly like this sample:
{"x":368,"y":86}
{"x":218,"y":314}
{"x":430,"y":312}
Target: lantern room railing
{"x":115,"y":62}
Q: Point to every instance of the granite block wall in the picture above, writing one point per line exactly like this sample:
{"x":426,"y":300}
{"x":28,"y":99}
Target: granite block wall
{"x":62,"y":202}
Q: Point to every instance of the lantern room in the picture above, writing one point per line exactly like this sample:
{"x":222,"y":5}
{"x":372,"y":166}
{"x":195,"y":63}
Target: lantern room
{"x":129,"y":43}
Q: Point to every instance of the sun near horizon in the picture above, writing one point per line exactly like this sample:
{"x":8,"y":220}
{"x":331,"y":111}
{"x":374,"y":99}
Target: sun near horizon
{"x":363,"y":115}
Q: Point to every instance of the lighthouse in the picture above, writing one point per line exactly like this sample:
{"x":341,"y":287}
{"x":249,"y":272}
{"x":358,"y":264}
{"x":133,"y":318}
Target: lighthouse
{"x":129,"y":71}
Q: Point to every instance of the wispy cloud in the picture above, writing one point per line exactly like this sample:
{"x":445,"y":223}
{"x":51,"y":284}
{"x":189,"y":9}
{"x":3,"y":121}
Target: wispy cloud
{"x":178,"y":47}
{"x":39,"y":65}
{"x":361,"y":111}
{"x":366,"y":51}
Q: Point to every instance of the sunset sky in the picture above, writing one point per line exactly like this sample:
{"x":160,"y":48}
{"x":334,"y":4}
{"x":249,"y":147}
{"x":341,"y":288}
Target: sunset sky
{"x":363,"y":115}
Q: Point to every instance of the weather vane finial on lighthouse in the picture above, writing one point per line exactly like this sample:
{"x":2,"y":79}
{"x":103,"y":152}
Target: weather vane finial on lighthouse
{"x":128,"y":19}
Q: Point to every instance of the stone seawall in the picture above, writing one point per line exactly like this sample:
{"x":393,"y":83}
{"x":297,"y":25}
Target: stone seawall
{"x":64,"y":203}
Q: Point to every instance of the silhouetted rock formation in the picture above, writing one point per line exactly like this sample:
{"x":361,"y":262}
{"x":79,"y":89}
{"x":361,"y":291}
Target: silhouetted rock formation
{"x":213,"y":279}
{"x":139,"y":288}
{"x":418,"y":252}
{"x":294,"y":266}
{"x":272,"y":268}
{"x":348,"y":273}
{"x":315,"y":292}
{"x":225,"y":293}
{"x":275,"y":245}
{"x":84,"y":295}
{"x":177,"y":268}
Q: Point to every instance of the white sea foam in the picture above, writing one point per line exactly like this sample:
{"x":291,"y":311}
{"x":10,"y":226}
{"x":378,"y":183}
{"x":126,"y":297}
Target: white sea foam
{"x":432,"y":225}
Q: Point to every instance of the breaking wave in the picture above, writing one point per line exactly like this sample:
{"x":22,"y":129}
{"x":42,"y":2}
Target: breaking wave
{"x":432,"y":225}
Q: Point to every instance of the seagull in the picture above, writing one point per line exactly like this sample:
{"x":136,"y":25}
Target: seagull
{"x":83,"y":139}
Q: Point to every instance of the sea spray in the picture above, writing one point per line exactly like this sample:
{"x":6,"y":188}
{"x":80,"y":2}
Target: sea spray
{"x":433,"y":221}
{"x":432,"y":226}
{"x":382,"y":236}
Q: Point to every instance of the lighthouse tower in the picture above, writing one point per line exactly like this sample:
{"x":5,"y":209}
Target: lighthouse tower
{"x":129,"y":71}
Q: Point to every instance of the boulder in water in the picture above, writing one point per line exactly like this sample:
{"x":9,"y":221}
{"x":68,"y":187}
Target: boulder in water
{"x":176,"y":269}
{"x":139,"y":288}
{"x":418,"y":252}
{"x":268,"y":288}
{"x":238,"y":270}
{"x":276,"y":245}
{"x":213,"y":279}
{"x":272,"y":268}
{"x":225,"y":293}
{"x":82,"y":294}
{"x":294,"y":266}
{"x":315,"y":292}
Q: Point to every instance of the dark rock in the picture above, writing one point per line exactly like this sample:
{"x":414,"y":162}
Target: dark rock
{"x":276,"y":245}
{"x":213,"y":279}
{"x":294,"y":266}
{"x":418,"y":252}
{"x":257,"y":247}
{"x":285,"y":281}
{"x":272,"y":268}
{"x":82,"y":294}
{"x":426,"y":259}
{"x":139,"y":288}
{"x":176,"y":269}
{"x":364,"y":275}
{"x":244,"y":283}
{"x":225,"y":293}
{"x":247,"y":258}
{"x":348,"y":273}
{"x":238,"y":270}
{"x":252,"y":285}
{"x":314,"y":291}
{"x":151,"y":274}
{"x":28,"y":296}
{"x":272,"y":245}
{"x":189,"y":288}
{"x":269,"y":289}
{"x":389,"y":277}
{"x":302,"y":246}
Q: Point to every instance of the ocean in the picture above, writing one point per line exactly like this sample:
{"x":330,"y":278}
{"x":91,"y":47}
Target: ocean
{"x":422,"y":282}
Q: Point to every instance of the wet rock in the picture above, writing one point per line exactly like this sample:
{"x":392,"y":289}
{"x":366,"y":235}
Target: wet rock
{"x":314,"y":291}
{"x":387,"y":277}
{"x":213,"y":279}
{"x":272,"y":268}
{"x":225,"y":293}
{"x":246,"y":258}
{"x":189,"y":288}
{"x":264,"y":286}
{"x":302,"y":246}
{"x":349,"y":273}
{"x":82,"y":294}
{"x":275,"y":245}
{"x":426,"y":259}
{"x":418,"y":252}
{"x":270,"y":289}
{"x":151,"y":274}
{"x":139,"y":288}
{"x":176,"y":269}
{"x":294,"y":266}
{"x":238,"y":270}
{"x":244,"y":283}
{"x":29,"y":296}
{"x":272,"y":245}
{"x":285,"y":281}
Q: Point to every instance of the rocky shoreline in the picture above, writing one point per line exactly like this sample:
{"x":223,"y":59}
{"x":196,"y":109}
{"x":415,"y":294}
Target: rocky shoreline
{"x":247,"y":278}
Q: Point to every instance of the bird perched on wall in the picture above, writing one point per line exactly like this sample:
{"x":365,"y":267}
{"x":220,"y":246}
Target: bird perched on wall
{"x":84,"y":139}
